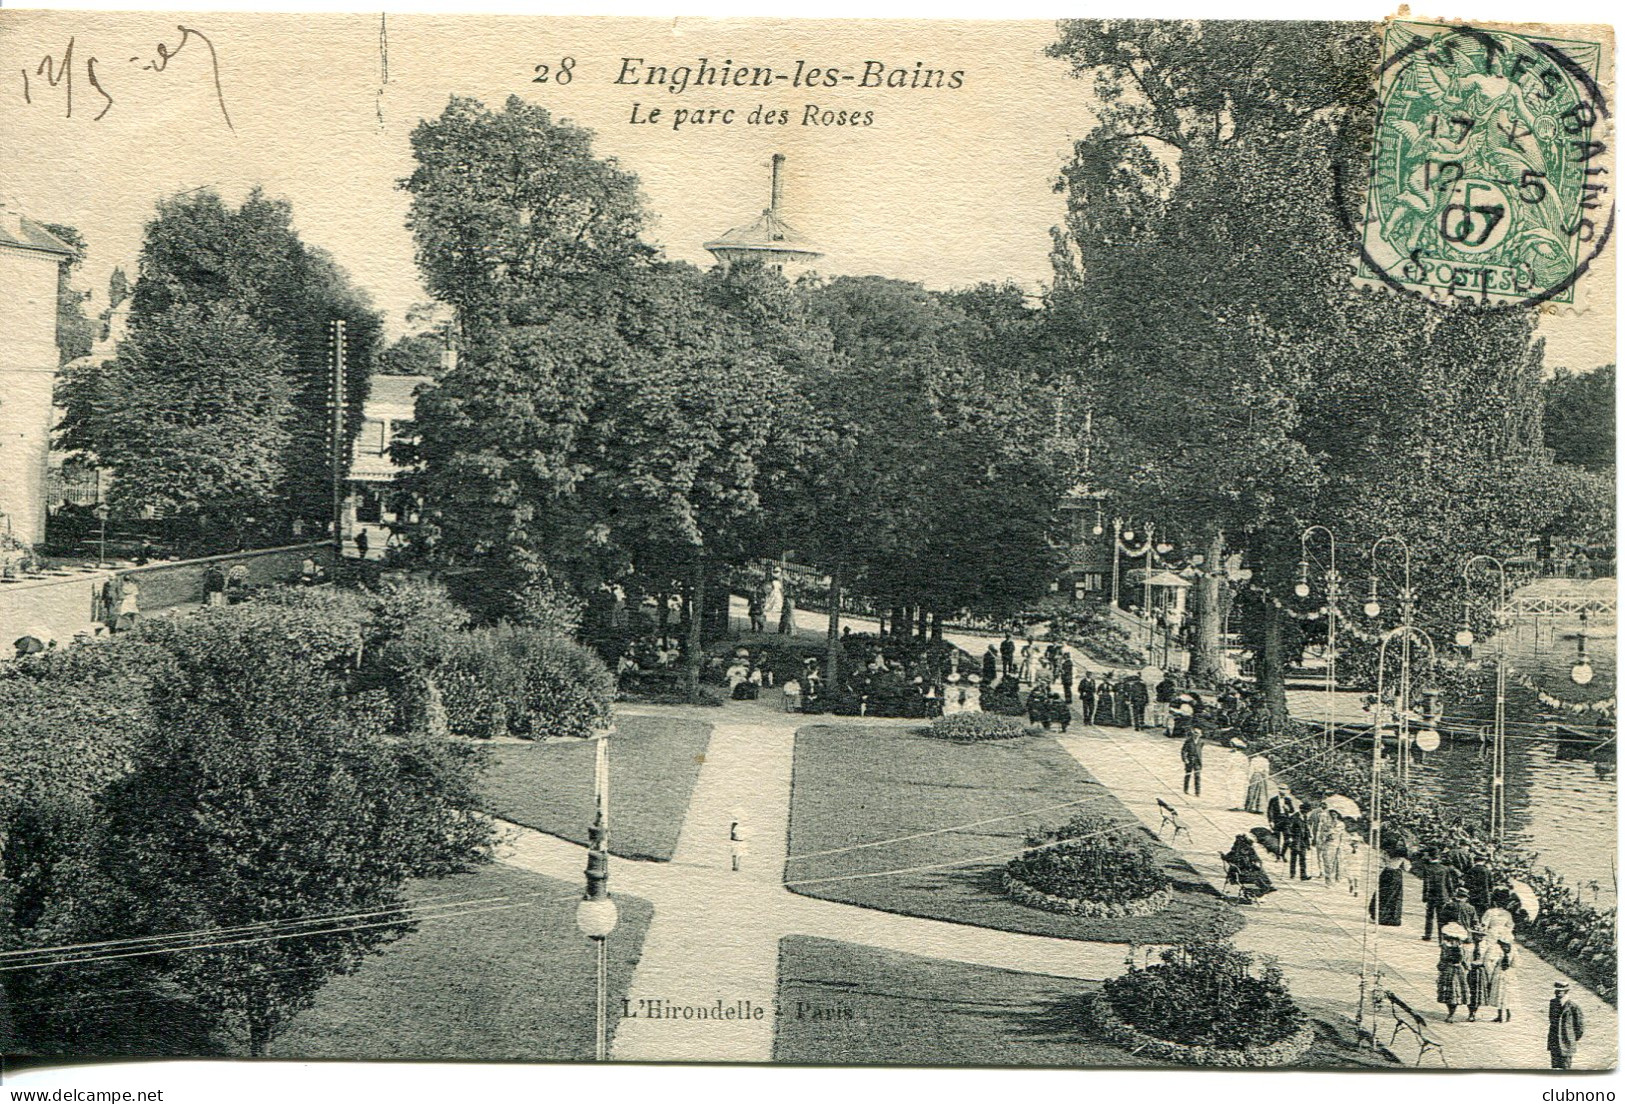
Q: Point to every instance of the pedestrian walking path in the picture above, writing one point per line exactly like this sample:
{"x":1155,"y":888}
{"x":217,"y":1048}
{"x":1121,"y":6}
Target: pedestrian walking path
{"x":1316,"y":931}
{"x":714,"y":940}
{"x":711,"y":951}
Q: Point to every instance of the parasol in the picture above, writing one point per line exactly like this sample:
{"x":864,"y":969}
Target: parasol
{"x":1343,"y":806}
{"x":1238,"y":742}
{"x":1497,"y":918}
{"x":1526,"y":897}
{"x":1453,"y":931}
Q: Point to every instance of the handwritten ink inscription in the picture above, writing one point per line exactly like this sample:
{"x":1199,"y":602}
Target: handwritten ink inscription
{"x":57,"y":73}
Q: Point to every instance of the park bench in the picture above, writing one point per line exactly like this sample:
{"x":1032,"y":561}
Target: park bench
{"x":1409,"y":1019}
{"x":1170,"y":815}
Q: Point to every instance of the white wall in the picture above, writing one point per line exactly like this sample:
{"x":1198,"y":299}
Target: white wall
{"x":28,"y":359}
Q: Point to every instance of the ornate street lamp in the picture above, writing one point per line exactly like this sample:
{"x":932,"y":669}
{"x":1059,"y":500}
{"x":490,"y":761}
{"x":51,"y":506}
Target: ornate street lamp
{"x":1370,"y":963}
{"x":1465,"y":640}
{"x":1407,"y":612}
{"x":597,"y":913}
{"x":1581,"y":673}
{"x":1302,"y":590}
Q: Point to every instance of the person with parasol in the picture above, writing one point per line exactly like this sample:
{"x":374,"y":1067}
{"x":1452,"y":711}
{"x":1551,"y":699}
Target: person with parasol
{"x":1500,"y":976}
{"x":1452,"y":987}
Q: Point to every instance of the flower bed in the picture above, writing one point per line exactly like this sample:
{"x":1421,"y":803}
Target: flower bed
{"x":1086,"y":627}
{"x":1115,"y":1030}
{"x":971,"y":727}
{"x":1090,"y":867}
{"x":1204,"y":1004}
{"x":1024,"y":894}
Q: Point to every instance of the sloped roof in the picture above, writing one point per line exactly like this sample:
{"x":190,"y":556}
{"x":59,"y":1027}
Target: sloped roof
{"x":768,"y":234}
{"x":25,"y":233}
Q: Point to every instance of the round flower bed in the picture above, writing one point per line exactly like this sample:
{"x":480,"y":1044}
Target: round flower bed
{"x":1024,"y":894}
{"x":1203,"y":1006}
{"x":1092,"y":867}
{"x":977,"y":726}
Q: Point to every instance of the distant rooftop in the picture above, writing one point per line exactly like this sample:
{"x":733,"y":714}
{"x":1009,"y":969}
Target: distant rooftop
{"x":396,"y":390}
{"x":21,"y":232}
{"x":769,"y":239}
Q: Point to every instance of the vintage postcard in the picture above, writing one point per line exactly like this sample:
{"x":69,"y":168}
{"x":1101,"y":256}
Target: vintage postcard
{"x":1082,"y":543}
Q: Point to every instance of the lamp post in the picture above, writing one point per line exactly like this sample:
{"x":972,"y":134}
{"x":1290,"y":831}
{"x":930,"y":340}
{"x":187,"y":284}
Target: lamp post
{"x":1370,"y":964}
{"x":1464,"y":640}
{"x":1117,"y":547}
{"x":1407,"y":612}
{"x":1302,"y":591}
{"x":597,"y":913}
{"x":1581,"y":673}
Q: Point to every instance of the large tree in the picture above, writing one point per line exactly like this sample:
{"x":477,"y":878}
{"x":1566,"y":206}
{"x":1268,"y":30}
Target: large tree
{"x":200,"y":252}
{"x":191,"y":416}
{"x":1293,"y":397}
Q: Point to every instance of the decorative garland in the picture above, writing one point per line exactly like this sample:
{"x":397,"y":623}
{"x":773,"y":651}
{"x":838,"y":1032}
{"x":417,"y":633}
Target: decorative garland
{"x":1348,"y":624}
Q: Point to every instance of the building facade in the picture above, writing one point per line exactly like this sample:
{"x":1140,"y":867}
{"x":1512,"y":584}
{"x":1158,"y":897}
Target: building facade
{"x":373,"y":504}
{"x":31,"y":258}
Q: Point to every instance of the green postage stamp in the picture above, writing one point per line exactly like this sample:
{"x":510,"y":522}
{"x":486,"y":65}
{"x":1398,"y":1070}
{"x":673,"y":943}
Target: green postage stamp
{"x":1491,"y":166}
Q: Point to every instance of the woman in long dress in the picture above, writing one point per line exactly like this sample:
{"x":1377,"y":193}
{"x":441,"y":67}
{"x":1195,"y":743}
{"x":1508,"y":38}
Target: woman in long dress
{"x":1258,"y":786}
{"x":1452,"y":988}
{"x":1331,"y":847}
{"x":1236,"y":777}
{"x":1500,"y":977}
{"x":1388,"y":903}
{"x":1478,"y":962}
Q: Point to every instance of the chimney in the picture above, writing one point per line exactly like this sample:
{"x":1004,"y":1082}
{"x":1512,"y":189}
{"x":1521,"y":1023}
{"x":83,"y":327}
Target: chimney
{"x":778,"y":186}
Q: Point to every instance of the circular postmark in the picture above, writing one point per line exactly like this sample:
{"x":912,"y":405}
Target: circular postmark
{"x":1489,"y":169}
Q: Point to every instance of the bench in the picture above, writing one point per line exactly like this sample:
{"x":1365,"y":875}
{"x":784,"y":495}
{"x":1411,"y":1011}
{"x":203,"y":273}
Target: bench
{"x":1409,"y":1019}
{"x":1170,"y":815}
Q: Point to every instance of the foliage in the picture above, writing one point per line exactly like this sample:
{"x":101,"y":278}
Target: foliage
{"x":1579,"y":417}
{"x":512,"y":680}
{"x":1086,"y":627}
{"x":970,"y":727}
{"x":75,"y":333}
{"x":1207,"y":994}
{"x":191,"y":416}
{"x":261,"y":361}
{"x":1294,"y":396}
{"x":1090,"y":858}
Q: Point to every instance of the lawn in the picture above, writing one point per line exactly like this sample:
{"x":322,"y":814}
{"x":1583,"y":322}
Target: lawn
{"x":849,"y":1005}
{"x":514,"y":984}
{"x":861,"y":784}
{"x":653,"y":763}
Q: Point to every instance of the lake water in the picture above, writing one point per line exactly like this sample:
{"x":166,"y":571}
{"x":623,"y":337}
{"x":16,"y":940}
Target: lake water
{"x":1562,"y":799}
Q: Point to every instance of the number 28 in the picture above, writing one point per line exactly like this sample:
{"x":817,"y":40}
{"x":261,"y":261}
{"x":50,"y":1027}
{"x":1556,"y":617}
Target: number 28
{"x":564,"y":75}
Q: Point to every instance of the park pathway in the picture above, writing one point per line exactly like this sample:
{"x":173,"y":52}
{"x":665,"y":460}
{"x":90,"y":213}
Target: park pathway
{"x":715,"y":933}
{"x":1316,"y":930}
{"x":717,"y":944}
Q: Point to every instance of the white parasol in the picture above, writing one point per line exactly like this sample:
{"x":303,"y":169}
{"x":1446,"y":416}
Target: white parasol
{"x":1526,"y":897}
{"x":1453,"y":931}
{"x":1343,"y":806}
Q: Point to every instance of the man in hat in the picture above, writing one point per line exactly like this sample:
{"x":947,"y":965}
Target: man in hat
{"x":1458,"y":910}
{"x":1567,"y":1026}
{"x":1439,"y":882}
{"x":1190,"y":753}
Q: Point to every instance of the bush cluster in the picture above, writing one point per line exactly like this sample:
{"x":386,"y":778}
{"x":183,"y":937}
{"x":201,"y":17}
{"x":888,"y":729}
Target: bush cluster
{"x":1090,"y":859}
{"x":978,"y":726}
{"x":1208,"y":995}
{"x":513,"y":680}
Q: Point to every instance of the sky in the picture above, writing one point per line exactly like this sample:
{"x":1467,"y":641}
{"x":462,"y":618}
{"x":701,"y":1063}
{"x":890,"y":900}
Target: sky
{"x":947,"y":186}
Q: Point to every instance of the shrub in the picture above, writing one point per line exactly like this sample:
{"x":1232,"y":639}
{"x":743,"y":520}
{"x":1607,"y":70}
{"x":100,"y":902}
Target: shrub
{"x":977,"y":726}
{"x":1213,"y":997}
{"x":1090,"y":859}
{"x":510,"y":680}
